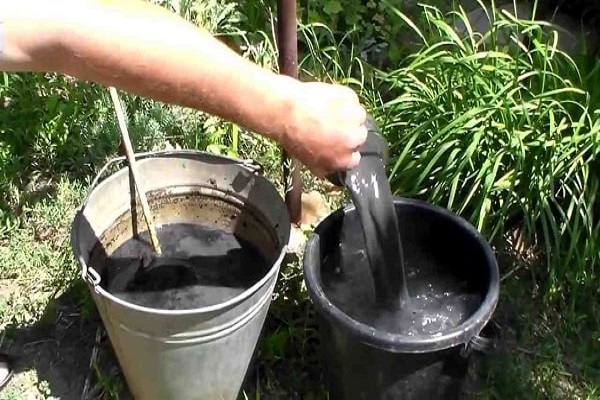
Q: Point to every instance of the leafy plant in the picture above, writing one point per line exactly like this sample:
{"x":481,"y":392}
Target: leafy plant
{"x":496,"y":129}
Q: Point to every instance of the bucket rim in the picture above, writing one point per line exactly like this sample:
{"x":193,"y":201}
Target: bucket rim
{"x":92,"y":278}
{"x":462,"y":334}
{"x":240,"y":298}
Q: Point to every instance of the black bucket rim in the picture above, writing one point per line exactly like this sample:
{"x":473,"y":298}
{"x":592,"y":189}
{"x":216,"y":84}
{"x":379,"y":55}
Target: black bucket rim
{"x":459,"y":335}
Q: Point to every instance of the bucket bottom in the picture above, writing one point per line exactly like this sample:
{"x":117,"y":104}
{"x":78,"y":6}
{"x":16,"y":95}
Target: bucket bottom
{"x":356,"y":371}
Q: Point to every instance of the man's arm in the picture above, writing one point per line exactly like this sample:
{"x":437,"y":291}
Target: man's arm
{"x":143,"y":49}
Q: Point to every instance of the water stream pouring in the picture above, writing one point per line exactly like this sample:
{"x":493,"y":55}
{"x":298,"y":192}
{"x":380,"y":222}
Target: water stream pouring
{"x":372,"y":196}
{"x":437,"y":302}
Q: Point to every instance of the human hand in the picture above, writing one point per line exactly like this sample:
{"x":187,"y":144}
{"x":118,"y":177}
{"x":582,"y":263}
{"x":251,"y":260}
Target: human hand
{"x":325,"y":127}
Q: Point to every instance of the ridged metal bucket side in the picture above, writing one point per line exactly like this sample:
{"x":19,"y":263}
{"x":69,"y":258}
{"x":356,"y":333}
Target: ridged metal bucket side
{"x":202,"y":364}
{"x":199,"y":353}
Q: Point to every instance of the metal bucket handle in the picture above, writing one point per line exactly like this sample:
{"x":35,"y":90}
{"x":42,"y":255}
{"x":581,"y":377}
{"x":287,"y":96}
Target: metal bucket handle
{"x":478,"y":343}
{"x":90,"y":274}
{"x":251,"y":165}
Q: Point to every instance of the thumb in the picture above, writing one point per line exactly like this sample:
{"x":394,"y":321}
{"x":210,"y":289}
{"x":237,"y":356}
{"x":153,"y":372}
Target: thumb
{"x":354,"y":159}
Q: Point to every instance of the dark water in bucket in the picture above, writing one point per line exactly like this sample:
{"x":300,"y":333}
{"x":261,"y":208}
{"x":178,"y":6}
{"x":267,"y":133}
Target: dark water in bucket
{"x":376,"y":281}
{"x":199,"y":267}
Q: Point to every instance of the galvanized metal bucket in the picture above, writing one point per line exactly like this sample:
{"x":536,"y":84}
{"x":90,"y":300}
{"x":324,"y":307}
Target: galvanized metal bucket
{"x":199,"y":353}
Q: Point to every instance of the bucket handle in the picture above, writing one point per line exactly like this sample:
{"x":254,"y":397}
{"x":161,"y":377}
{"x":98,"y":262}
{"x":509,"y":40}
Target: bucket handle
{"x":250,"y":164}
{"x":478,"y":343}
{"x":90,"y":274}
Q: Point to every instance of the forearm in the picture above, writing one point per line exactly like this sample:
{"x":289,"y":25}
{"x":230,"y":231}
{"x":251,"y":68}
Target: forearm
{"x":146,"y":50}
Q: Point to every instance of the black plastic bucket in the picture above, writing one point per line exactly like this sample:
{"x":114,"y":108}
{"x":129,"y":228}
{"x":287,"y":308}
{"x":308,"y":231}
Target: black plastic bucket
{"x":361,"y":362}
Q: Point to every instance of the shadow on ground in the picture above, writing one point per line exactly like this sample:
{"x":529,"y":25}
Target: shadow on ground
{"x":58,"y":347}
{"x":68,"y":351}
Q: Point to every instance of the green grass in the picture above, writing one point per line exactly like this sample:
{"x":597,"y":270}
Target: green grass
{"x":546,"y":354}
{"x":506,"y":136}
{"x":36,"y":258}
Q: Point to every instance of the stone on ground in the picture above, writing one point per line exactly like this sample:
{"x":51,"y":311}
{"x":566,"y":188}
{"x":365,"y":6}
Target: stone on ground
{"x":314,"y":208}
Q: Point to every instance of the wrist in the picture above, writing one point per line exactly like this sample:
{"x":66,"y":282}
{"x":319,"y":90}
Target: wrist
{"x":284,"y":92}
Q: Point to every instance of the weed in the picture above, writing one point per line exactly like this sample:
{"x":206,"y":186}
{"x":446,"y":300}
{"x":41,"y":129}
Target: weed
{"x":494,"y":132}
{"x":110,"y":386}
{"x":36,"y":258}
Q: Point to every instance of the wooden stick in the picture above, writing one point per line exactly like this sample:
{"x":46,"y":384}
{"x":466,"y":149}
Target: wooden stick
{"x":133,"y":167}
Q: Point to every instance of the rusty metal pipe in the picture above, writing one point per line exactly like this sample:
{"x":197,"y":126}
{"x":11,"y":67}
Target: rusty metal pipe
{"x":287,"y":42}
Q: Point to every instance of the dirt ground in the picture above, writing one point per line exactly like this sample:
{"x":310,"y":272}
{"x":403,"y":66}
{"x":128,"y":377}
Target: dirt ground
{"x":56,"y":353}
